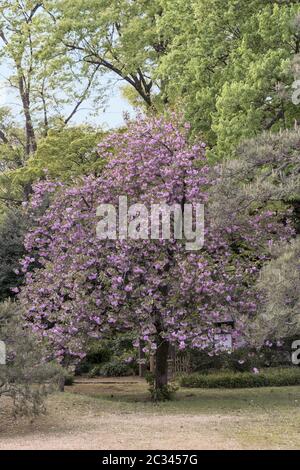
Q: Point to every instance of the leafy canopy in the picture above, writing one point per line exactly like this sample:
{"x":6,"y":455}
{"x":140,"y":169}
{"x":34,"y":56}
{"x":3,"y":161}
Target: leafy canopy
{"x":230,"y":65}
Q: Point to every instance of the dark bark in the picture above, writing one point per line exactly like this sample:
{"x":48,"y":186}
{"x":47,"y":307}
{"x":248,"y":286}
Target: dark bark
{"x":142,"y":365}
{"x":31,"y":145}
{"x":279,"y":115}
{"x":83,"y":96}
{"x":161,"y":366}
{"x":137,"y":80}
{"x":24,"y":90}
{"x":46,"y":121}
{"x":3,"y":137}
{"x":61,"y":384}
{"x":296,"y":207}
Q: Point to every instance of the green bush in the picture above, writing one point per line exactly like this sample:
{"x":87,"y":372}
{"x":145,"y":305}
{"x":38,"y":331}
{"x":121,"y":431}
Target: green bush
{"x":109,"y":357}
{"x":94,"y":371}
{"x":166,"y":393}
{"x":68,"y":378}
{"x":25,"y":378}
{"x":99,"y":352}
{"x":242,"y":359}
{"x":113,"y":368}
{"x":116,"y":368}
{"x":275,"y":377}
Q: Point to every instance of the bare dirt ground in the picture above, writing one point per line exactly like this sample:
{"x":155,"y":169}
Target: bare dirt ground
{"x":110,"y":415}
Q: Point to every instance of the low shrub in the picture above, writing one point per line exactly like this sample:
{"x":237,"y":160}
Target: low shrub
{"x":113,"y":368}
{"x":116,"y":368}
{"x":275,"y":377}
{"x":94,"y":371}
{"x":164,"y":394}
{"x":109,"y":357}
{"x":25,"y":377}
{"x":68,"y":378}
{"x":243,"y":359}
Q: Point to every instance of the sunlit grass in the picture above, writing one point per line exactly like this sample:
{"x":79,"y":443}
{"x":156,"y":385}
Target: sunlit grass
{"x":258,"y":418}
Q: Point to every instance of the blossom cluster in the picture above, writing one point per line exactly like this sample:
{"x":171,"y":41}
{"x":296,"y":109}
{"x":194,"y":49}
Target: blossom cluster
{"x":84,"y":287}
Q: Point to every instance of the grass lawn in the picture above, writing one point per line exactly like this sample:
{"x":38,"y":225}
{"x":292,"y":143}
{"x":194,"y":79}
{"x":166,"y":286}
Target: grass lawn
{"x":117,"y":414}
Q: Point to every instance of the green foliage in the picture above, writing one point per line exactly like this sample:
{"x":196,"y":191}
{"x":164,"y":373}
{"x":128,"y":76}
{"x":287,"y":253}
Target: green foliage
{"x":12,"y":141}
{"x":242,"y":359}
{"x":263,"y":175}
{"x":230,"y":64}
{"x":118,"y":37}
{"x":63,"y":155}
{"x":228,"y":379}
{"x":48,"y":88}
{"x":279,"y":286}
{"x":112,"y":368}
{"x":51,"y":86}
{"x":13,"y":226}
{"x":68,"y":378}
{"x":25,"y":377}
{"x":113,"y":357}
{"x":164,"y":393}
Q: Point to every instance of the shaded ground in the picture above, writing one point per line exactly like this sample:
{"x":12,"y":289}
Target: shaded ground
{"x":117,"y":414}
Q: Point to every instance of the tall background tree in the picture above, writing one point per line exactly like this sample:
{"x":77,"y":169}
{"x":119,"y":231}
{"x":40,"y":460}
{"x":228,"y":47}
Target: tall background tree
{"x":47,"y":86}
{"x":118,"y":37}
{"x":230,"y":64}
{"x":279,"y":288}
{"x":13,"y":227}
{"x":266,"y":174}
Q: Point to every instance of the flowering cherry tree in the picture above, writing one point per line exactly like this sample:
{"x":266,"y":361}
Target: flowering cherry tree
{"x":85,"y":287}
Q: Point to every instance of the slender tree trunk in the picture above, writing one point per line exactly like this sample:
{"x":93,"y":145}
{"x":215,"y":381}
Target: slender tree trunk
{"x":296,"y":205}
{"x":30,"y":134}
{"x":142,"y":365}
{"x":3,"y":137}
{"x":152,"y":363}
{"x":161,"y":366}
{"x":31,"y":145}
{"x":61,"y":384}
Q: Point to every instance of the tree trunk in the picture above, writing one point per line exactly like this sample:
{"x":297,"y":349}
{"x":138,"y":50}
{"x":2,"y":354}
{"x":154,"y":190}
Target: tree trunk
{"x":152,"y":363}
{"x":30,"y":134}
{"x":161,"y":366}
{"x":142,"y":364}
{"x":24,"y":91}
{"x":61,"y":384}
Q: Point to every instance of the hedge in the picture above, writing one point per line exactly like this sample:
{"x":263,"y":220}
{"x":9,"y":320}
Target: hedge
{"x":275,"y":377}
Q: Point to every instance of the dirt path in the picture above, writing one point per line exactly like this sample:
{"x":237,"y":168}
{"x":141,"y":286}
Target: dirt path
{"x":79,"y":425}
{"x":119,"y":432}
{"x":118,"y":416}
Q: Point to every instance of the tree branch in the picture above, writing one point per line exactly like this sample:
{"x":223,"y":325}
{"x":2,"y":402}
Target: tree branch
{"x":134,"y":81}
{"x":3,"y":137}
{"x":81,"y":100}
{"x":34,"y":10}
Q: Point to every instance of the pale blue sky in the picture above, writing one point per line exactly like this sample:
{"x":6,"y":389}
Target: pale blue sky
{"x":110,"y":117}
